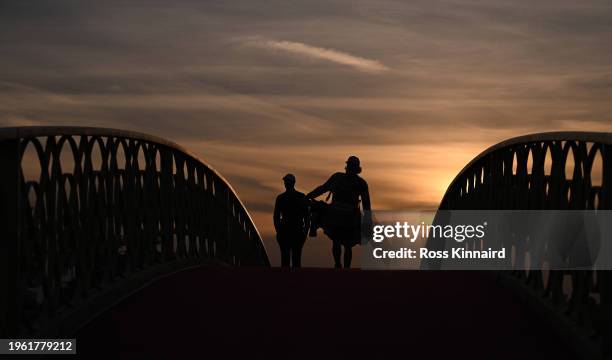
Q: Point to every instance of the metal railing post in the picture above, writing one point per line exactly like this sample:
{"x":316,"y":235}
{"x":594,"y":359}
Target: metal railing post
{"x":10,"y":272}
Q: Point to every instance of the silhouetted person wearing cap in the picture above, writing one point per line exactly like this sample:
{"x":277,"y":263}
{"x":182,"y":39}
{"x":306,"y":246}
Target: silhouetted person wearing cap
{"x":291,"y":223}
{"x":343,"y":227}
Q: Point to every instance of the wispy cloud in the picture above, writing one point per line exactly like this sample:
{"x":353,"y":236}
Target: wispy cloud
{"x":226,"y":80}
{"x":338,"y":57}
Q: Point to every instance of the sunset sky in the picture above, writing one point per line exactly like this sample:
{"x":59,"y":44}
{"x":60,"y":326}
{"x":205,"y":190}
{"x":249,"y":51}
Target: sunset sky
{"x":261,"y":88}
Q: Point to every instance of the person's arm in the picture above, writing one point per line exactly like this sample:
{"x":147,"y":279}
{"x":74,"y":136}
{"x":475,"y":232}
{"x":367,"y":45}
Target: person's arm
{"x":365,"y":198}
{"x":306,"y":215}
{"x":276,"y":215}
{"x":321,"y":189}
{"x":367,"y":208}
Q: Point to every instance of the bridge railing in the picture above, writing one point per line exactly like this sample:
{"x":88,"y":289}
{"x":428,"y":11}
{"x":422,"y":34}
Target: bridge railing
{"x":556,"y":171}
{"x":87,"y":215}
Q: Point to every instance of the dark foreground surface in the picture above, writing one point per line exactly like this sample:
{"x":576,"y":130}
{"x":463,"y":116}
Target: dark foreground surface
{"x":247,"y":313}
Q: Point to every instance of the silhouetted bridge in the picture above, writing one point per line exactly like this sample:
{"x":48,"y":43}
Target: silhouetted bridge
{"x":90,"y":216}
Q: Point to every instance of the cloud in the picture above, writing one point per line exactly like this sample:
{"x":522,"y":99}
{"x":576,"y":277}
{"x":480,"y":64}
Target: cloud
{"x":426,"y":85}
{"x":338,"y":57}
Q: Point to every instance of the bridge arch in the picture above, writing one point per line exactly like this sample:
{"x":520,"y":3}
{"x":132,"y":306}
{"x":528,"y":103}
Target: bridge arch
{"x":124,"y":209}
{"x":563,"y":164}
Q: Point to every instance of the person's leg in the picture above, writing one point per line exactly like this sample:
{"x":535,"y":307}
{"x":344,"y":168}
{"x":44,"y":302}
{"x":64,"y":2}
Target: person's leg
{"x":296,"y":252}
{"x":337,"y":252}
{"x":348,"y":256}
{"x":285,"y":251}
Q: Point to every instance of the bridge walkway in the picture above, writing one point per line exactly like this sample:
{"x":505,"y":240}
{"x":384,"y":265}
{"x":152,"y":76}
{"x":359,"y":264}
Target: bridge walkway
{"x":271,"y":313}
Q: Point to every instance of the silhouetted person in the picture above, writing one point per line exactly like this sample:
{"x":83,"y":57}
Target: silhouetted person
{"x":291,"y":223}
{"x":343,"y":227}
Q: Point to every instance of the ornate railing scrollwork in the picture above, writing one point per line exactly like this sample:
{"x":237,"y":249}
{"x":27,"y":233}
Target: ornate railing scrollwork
{"x":550,"y":171}
{"x":85,"y":209}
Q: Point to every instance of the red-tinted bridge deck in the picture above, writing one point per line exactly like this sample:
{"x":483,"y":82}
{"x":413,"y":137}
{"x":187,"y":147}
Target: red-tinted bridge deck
{"x":246,"y":313}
